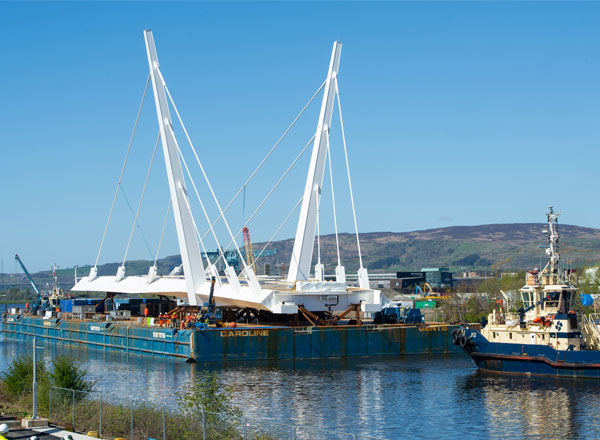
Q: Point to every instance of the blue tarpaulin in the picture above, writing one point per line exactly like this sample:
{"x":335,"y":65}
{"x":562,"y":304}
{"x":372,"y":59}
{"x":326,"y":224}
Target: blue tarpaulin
{"x":586,"y":299}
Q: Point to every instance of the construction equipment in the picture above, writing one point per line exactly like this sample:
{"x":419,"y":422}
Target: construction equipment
{"x":107,"y":305}
{"x":399,"y":315}
{"x":248,"y":247}
{"x":39,"y":297}
{"x":431,"y":294}
{"x":211,"y":306}
{"x":423,"y":291}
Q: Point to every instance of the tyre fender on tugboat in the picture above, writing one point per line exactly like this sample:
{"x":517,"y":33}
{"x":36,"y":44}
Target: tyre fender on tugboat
{"x":455,"y":336}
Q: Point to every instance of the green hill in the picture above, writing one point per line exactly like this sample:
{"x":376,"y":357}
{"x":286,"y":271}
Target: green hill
{"x":496,"y":246}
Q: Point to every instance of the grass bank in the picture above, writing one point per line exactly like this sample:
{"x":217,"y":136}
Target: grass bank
{"x":66,"y":397}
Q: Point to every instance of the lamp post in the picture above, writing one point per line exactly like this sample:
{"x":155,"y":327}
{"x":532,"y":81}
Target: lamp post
{"x":35,"y":403}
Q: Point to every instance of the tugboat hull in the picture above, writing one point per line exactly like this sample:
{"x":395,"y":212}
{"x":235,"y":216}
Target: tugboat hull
{"x":528,"y":359}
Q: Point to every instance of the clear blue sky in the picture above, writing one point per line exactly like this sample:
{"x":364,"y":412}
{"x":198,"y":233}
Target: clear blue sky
{"x":455,"y":114}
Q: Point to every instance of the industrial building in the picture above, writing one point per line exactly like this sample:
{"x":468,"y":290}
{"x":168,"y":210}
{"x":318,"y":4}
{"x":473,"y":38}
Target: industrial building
{"x":436,"y":277}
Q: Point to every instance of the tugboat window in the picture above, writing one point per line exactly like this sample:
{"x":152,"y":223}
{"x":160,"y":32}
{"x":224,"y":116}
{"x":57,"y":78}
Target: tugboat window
{"x":510,"y":336}
{"x":566,"y":302}
{"x":553,"y":298}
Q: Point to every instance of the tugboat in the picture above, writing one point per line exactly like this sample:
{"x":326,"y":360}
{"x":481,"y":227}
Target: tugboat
{"x":545,"y":336}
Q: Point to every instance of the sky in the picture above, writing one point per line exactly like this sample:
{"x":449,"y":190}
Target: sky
{"x":455,"y":113}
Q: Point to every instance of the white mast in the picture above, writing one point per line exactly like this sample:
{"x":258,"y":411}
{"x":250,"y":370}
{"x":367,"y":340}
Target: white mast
{"x":307,"y":224}
{"x":552,"y":250}
{"x":191,"y":257}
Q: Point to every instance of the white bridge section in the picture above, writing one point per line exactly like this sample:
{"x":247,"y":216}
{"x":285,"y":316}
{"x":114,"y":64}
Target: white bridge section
{"x":274,"y":296}
{"x":243,"y":290}
{"x":184,"y":222}
{"x":307,"y":225}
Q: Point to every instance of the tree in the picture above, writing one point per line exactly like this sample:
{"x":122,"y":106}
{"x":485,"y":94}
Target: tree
{"x":67,"y":374}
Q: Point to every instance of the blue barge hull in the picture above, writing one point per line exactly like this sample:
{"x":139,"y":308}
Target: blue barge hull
{"x":530,"y":359}
{"x":237,"y":344}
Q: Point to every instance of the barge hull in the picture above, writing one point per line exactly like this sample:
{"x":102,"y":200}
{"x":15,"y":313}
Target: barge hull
{"x":236,"y":344}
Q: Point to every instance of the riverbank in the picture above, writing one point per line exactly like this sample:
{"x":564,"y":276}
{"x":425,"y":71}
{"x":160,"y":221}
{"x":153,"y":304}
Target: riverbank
{"x":203,"y":410}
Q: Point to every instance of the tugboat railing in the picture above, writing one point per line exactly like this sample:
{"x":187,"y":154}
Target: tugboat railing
{"x":590,"y":329}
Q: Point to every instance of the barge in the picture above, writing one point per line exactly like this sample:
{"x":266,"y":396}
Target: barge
{"x":304,"y":296}
{"x":243,"y":343}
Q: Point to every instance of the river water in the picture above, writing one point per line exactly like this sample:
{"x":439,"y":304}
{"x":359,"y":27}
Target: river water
{"x":420,"y":397}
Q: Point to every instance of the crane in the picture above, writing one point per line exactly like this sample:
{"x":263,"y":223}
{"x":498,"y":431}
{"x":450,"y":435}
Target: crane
{"x":38,"y":293}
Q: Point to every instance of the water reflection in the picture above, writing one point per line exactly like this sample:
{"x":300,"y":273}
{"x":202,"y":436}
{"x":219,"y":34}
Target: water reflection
{"x":420,"y":397}
{"x":532,"y":407}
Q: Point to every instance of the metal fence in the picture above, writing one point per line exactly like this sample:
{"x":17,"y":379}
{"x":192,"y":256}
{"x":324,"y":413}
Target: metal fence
{"x":91,"y":413}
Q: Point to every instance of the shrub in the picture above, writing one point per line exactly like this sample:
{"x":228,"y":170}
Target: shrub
{"x":18,"y":378}
{"x":67,"y":374}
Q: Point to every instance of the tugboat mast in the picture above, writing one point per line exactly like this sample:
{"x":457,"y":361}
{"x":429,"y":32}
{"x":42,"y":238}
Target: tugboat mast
{"x":552,"y":250}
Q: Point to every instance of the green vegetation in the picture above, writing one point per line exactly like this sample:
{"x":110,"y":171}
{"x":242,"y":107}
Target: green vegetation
{"x":203,"y":406}
{"x":18,"y":378}
{"x":506,"y":283}
{"x":16,"y":382}
{"x":67,"y":374}
{"x":16,"y":295}
{"x":589,"y":283}
{"x":484,"y":297}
